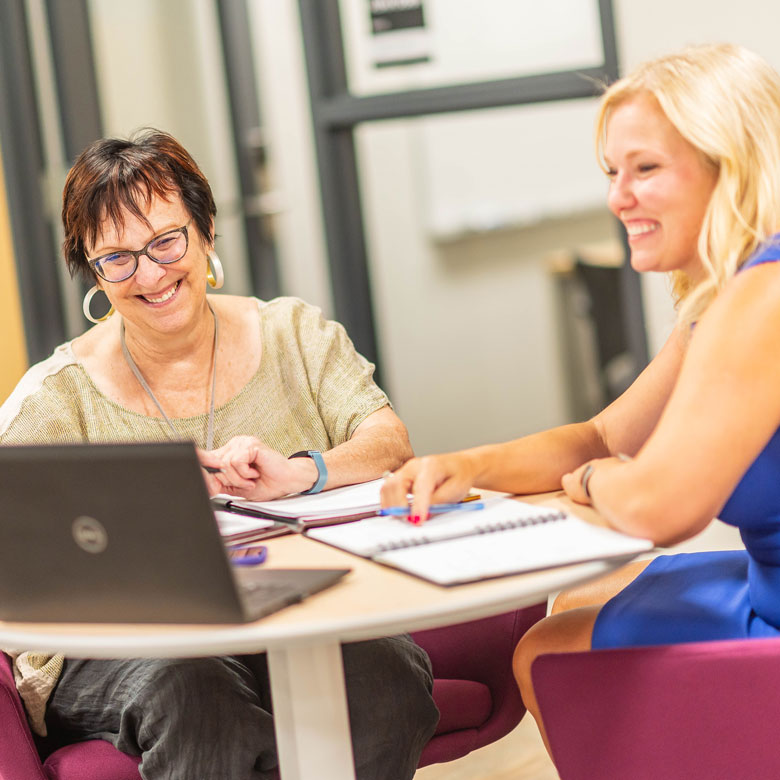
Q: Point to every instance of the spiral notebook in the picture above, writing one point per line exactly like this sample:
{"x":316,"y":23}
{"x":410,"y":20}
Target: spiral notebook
{"x":506,"y":537}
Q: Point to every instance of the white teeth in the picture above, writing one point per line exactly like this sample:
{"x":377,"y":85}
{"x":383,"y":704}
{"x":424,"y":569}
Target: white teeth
{"x":637,"y":230}
{"x":164,"y":297}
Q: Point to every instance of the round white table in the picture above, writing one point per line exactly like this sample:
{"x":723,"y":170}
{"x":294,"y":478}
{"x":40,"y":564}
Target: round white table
{"x":303,"y":641}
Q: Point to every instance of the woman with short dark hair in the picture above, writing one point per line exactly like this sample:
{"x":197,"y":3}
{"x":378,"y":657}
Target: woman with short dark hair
{"x":251,"y":383}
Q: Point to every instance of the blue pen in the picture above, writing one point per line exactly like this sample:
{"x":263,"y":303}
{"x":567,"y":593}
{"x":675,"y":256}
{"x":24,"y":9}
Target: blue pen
{"x":435,"y":509}
{"x":249,"y":560}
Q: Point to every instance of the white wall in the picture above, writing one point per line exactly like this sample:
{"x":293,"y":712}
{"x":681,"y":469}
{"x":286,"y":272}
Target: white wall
{"x":281,"y":75}
{"x":467,"y":326}
{"x":159,"y":64}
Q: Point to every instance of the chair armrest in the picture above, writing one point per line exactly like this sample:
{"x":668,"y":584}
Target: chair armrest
{"x":19,"y":758}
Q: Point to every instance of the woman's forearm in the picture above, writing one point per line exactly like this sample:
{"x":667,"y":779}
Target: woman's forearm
{"x":535,"y":463}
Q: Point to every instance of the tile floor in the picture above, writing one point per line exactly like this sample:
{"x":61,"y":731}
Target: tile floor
{"x":518,"y":756}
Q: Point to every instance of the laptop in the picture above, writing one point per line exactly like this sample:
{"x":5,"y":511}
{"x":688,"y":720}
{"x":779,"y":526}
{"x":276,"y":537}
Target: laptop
{"x":125,"y":533}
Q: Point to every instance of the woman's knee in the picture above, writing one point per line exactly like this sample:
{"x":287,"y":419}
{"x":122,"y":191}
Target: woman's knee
{"x":389,"y":692}
{"x":195,"y":678}
{"x":527,"y":649}
{"x":196,"y":695}
{"x":185,"y":705}
{"x":567,"y":632}
{"x":600,"y":591}
{"x":391,"y":679}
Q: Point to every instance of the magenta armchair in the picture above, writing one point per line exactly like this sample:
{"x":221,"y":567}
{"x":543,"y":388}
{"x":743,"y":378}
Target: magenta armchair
{"x":19,"y":760}
{"x":473,"y":688}
{"x":699,"y":711}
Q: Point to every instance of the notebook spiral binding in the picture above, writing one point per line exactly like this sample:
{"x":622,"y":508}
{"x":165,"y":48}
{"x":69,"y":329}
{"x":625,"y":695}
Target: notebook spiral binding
{"x":504,"y":525}
{"x":522,"y":522}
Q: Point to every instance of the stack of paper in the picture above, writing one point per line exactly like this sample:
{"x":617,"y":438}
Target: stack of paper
{"x":236,"y":528}
{"x":303,"y":511}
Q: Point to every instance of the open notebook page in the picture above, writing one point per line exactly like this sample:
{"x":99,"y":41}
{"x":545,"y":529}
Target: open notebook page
{"x":377,"y":534}
{"x":514,"y":551}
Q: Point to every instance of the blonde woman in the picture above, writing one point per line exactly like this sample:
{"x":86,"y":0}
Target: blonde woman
{"x":691,"y":145}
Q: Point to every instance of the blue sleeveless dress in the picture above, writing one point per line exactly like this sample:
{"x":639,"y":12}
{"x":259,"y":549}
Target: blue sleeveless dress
{"x":692,"y":597}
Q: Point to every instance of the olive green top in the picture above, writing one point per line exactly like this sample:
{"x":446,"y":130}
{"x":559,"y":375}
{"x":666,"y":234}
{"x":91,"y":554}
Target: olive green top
{"x":311,"y":390}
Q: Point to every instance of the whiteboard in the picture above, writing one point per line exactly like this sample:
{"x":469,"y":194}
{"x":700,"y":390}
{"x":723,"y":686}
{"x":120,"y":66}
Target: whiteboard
{"x":506,"y":168}
{"x":496,"y":168}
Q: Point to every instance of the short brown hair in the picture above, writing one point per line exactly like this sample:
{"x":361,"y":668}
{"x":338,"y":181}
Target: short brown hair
{"x":112,"y":175}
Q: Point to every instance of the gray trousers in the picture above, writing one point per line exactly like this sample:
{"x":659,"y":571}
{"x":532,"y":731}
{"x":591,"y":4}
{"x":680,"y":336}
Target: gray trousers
{"x":211,"y":718}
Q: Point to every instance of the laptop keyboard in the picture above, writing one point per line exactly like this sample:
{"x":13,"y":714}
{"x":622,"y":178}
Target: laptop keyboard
{"x":269,"y":588}
{"x":261,"y":595}
{"x":265,"y":590}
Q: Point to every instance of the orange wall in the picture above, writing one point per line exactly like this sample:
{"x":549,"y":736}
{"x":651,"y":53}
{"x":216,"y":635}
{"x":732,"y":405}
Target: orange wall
{"x":13,"y":355}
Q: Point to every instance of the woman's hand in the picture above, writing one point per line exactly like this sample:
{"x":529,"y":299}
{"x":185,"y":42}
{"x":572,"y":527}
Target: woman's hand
{"x":250,"y":469}
{"x":572,"y":482}
{"x":431,"y":479}
{"x":576,"y":483}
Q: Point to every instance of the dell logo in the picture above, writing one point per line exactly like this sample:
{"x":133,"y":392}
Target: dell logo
{"x":89,"y":534}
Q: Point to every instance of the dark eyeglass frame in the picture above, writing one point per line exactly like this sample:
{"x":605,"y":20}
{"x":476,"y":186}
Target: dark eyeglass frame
{"x":94,"y":263}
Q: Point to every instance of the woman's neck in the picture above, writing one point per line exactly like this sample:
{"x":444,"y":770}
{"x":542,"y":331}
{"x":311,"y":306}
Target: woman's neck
{"x":153,"y":351}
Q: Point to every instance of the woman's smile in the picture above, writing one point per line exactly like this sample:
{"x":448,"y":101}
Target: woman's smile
{"x":164,"y":296}
{"x":660,"y":186}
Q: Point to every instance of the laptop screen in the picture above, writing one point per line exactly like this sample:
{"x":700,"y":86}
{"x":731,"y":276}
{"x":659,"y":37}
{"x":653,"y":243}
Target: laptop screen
{"x":111,"y":532}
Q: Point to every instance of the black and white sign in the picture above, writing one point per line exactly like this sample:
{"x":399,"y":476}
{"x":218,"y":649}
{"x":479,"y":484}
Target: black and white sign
{"x":398,"y":33}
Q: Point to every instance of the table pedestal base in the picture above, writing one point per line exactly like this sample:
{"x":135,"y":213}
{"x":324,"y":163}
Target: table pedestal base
{"x":310,"y":713}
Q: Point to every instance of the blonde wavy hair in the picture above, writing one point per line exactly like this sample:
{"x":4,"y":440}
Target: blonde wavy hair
{"x":725,"y":101}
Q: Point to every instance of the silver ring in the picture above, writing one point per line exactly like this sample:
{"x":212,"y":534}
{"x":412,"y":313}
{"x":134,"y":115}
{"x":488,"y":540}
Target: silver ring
{"x":587,"y":473}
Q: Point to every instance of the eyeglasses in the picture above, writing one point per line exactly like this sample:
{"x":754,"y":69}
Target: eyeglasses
{"x":163,"y":249}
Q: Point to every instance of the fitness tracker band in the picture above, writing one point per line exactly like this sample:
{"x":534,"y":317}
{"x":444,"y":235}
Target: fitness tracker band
{"x":322,"y":471}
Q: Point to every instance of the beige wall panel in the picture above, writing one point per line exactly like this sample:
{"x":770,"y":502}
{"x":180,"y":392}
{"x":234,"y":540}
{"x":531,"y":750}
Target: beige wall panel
{"x":13,"y":355}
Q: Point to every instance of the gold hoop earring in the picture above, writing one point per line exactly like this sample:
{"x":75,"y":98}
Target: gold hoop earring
{"x":215,"y":274}
{"x":86,"y":304}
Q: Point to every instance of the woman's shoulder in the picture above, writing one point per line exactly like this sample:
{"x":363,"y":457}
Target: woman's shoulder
{"x":35,"y":376}
{"x":288,"y":317}
{"x":747,"y":307}
{"x":767,"y":252}
{"x":285,"y":323}
{"x":287,"y":307}
{"x":51,"y":378}
{"x":97,"y":343}
{"x":243,"y":310}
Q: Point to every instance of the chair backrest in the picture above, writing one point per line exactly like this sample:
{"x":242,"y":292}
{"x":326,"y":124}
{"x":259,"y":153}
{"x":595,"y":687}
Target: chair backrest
{"x":696,"y":711}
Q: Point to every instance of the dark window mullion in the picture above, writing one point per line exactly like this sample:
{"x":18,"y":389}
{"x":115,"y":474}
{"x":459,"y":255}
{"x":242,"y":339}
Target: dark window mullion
{"x":336,"y":113}
{"x":23,"y":162}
